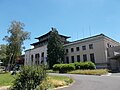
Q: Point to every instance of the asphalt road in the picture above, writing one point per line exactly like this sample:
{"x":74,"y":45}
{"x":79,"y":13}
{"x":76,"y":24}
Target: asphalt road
{"x":90,"y":82}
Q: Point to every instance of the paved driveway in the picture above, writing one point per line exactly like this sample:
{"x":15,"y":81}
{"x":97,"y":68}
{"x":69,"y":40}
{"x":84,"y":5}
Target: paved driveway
{"x":89,"y":82}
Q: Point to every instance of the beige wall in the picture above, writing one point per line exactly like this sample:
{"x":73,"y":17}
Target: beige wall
{"x":39,"y":51}
{"x":99,"y":50}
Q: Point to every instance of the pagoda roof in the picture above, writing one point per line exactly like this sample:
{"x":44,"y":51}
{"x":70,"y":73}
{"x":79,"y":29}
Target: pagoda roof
{"x":38,"y":42}
{"x":47,"y":34}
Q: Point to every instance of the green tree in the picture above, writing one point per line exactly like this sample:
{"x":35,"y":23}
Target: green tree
{"x":55,"y":49}
{"x":3,"y":53}
{"x":15,"y":40}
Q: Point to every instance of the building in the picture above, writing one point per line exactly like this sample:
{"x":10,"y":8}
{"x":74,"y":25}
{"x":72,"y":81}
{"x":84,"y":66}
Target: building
{"x":94,"y":48}
{"x":38,"y":54}
{"x":114,"y":58}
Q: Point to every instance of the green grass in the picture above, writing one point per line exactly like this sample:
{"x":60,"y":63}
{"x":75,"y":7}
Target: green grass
{"x":90,"y":72}
{"x":6,"y":79}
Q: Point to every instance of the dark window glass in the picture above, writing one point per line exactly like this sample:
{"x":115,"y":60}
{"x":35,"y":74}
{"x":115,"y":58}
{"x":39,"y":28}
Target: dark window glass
{"x":83,"y":47}
{"x":72,"y":49}
{"x":72,"y":58}
{"x":66,"y":50}
{"x":37,"y":56}
{"x":108,"y":45}
{"x":84,"y":57}
{"x":77,"y":48}
{"x":90,"y":46}
{"x":31,"y":59}
{"x":78,"y":58}
{"x":42,"y":54}
{"x":42,"y":57}
{"x":67,"y":59}
{"x":92,"y":58}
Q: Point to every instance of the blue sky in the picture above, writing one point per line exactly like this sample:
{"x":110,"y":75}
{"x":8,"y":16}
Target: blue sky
{"x":75,"y":18}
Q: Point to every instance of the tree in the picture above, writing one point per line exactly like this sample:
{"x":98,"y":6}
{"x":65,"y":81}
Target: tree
{"x":15,"y":40}
{"x":55,"y":49}
{"x":3,"y":53}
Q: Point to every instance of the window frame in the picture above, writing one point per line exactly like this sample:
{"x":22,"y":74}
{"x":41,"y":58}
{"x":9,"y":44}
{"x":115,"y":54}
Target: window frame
{"x":84,"y":47}
{"x":90,"y":46}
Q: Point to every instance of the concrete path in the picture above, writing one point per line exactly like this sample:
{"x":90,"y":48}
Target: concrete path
{"x":90,"y":82}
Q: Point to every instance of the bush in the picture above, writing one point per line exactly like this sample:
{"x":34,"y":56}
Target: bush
{"x":29,"y":78}
{"x":63,"y":68}
{"x":56,"y":67}
{"x":87,"y":65}
{"x":77,"y":65}
{"x":84,"y":65}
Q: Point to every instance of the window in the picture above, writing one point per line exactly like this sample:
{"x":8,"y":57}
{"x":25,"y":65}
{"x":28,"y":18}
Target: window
{"x":83,"y":47}
{"x":90,"y":46}
{"x":92,"y":58}
{"x":42,"y":55}
{"x":84,"y":57}
{"x":77,"y":48}
{"x":108,"y":45}
{"x":31,"y":59}
{"x":37,"y":56}
{"x":67,"y":59}
{"x":78,"y":58}
{"x":72,"y":49}
{"x":66,"y":50}
{"x":72,"y":58}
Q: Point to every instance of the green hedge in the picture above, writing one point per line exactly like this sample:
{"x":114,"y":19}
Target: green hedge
{"x":63,"y":68}
{"x":84,"y":65}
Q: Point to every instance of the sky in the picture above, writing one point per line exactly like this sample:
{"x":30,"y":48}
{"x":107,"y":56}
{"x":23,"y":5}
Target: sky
{"x":75,"y":18}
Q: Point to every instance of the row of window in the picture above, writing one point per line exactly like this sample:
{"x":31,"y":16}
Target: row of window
{"x":92,"y":58}
{"x":78,"y":48}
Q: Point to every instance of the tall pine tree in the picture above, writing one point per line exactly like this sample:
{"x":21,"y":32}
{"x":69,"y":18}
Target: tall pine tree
{"x":55,"y":49}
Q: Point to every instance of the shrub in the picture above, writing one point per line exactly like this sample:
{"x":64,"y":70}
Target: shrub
{"x":84,"y":65}
{"x":87,"y":65}
{"x":77,"y":65}
{"x":56,"y":67}
{"x":29,"y":78}
{"x":63,"y":68}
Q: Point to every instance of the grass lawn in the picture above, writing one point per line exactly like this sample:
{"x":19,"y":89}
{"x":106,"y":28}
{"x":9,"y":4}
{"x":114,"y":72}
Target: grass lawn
{"x":90,"y":72}
{"x":6,"y":79}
